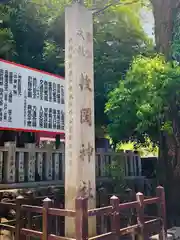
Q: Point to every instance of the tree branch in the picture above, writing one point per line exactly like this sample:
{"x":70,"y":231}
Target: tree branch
{"x":114,"y":4}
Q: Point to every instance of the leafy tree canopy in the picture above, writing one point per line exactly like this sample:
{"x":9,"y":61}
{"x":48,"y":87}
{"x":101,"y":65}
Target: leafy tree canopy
{"x":118,"y":37}
{"x":146,"y":102}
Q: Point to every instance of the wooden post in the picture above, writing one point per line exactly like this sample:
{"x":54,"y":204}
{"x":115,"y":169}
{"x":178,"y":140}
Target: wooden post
{"x":29,"y":215}
{"x":115,"y":220}
{"x":81,"y":219}
{"x":46,"y":219}
{"x":19,"y":200}
{"x":140,"y":215}
{"x":102,"y":203}
{"x":162,"y":211}
{"x":10,"y":164}
{"x":80,"y":136}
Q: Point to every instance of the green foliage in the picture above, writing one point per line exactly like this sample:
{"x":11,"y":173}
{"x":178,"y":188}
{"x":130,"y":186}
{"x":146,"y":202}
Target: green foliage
{"x":146,"y":102}
{"x":118,"y":37}
{"x":27,"y":32}
{"x":145,"y":149}
{"x":175,"y":45}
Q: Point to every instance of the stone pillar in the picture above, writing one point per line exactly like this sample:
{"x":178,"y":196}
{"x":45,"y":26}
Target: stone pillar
{"x":31,"y":161}
{"x":102,"y":161}
{"x":49,"y":165}
{"x":135,"y":165}
{"x":139,"y":166}
{"x":48,"y":161}
{"x":40,"y":165}
{"x":125,"y":163}
{"x":131,"y":162}
{"x":56,"y":166}
{"x":79,"y":130}
{"x":21,"y":166}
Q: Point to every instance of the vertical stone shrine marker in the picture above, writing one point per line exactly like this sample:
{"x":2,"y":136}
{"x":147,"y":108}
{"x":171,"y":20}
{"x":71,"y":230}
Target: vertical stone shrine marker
{"x":79,"y":113}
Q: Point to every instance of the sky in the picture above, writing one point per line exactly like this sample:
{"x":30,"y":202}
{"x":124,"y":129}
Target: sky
{"x":148,"y":22}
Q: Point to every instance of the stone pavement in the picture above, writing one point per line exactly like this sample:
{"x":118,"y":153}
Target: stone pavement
{"x":172,"y":234}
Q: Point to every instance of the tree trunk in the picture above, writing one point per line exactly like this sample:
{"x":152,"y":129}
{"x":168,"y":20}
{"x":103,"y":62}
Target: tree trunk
{"x":163,"y":16}
{"x":169,"y":158}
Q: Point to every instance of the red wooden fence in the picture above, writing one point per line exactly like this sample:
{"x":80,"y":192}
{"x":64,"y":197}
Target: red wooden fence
{"x":144,"y":229}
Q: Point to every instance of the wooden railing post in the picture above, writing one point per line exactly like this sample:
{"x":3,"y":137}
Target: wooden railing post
{"x":81,"y":219}
{"x":115,"y":220}
{"x":46,"y":222}
{"x":140,"y":215}
{"x":19,"y":219}
{"x":162,"y":211}
{"x":29,"y":215}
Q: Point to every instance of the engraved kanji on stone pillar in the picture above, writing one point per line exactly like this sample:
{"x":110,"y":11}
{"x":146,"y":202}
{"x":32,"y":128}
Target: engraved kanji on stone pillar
{"x":86,"y":116}
{"x":80,"y":132}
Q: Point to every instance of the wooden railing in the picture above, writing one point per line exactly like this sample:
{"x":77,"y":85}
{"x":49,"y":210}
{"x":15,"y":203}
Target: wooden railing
{"x":143,"y":228}
{"x":32,"y":164}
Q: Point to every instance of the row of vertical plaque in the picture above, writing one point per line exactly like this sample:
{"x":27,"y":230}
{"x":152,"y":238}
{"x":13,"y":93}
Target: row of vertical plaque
{"x":30,"y":164}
